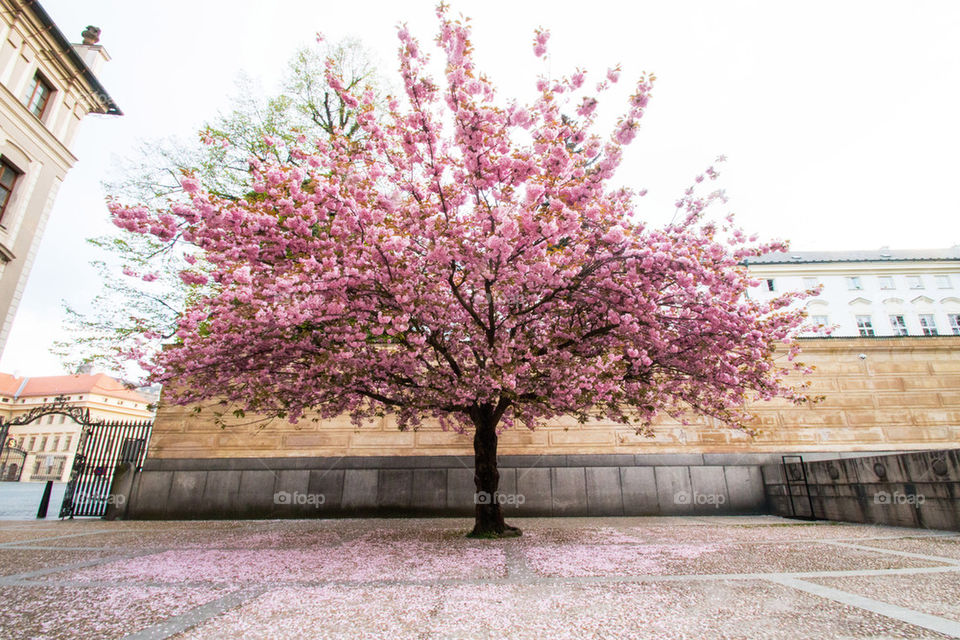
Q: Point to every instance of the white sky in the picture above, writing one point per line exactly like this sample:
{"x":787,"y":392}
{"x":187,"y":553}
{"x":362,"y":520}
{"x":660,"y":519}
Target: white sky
{"x":841,"y":120}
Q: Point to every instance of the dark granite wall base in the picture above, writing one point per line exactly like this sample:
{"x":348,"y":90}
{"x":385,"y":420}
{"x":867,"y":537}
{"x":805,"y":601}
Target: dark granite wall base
{"x":563,"y":485}
{"x":919,"y":489}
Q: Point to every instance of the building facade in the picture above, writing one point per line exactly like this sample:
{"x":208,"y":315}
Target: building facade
{"x":51,"y":441}
{"x":880,"y":293}
{"x":47,"y":86}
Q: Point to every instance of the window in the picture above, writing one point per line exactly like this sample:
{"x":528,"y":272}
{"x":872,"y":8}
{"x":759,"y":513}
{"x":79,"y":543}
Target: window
{"x":853,"y":283}
{"x":33,"y":441}
{"x":865,"y":325}
{"x":63,"y":419}
{"x":928,"y":324}
{"x":55,"y":443}
{"x":943,"y":282}
{"x":66,"y":443}
{"x":886,"y":282}
{"x":38,"y":95}
{"x":8,"y":178}
{"x":821,"y":323}
{"x":899,"y":325}
{"x":915,"y":282}
{"x":43,"y":443}
{"x":810,"y":283}
{"x":954,"y":320}
{"x":771,"y":285}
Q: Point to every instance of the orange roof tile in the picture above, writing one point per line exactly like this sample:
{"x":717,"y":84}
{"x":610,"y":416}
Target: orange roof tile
{"x":9,"y":385}
{"x":98,"y":383}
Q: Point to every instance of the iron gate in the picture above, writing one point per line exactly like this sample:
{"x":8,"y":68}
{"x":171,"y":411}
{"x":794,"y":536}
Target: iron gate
{"x":795,"y":477}
{"x":102,"y":448}
{"x":12,"y":458}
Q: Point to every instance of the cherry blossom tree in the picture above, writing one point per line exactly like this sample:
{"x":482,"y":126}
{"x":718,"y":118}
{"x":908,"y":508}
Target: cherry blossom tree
{"x":467,"y":260}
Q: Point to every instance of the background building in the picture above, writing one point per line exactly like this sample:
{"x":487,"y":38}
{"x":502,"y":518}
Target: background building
{"x":888,"y":292}
{"x":50,"y":442}
{"x":47,"y":85}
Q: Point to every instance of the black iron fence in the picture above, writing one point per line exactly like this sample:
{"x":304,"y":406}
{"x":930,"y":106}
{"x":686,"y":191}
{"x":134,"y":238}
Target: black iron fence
{"x":102,"y":448}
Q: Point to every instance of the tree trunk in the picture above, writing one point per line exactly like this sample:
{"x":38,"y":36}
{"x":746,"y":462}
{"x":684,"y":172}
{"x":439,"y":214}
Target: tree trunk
{"x":489,"y":515}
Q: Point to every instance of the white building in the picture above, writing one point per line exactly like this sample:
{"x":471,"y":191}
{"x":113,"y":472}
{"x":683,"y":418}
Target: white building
{"x":47,"y":86}
{"x":888,"y":292}
{"x":50,"y":442}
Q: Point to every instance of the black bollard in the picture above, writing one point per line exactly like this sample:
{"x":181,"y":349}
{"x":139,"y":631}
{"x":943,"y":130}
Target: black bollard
{"x":45,"y":500}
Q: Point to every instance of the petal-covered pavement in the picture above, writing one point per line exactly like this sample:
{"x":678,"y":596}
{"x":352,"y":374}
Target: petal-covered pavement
{"x":686,"y":577}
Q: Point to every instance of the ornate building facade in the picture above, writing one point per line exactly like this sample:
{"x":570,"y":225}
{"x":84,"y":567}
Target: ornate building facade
{"x":47,"y":86}
{"x":50,"y":442}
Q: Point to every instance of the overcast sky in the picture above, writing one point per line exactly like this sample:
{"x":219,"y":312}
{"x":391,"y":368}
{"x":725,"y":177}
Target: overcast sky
{"x":841,"y":120}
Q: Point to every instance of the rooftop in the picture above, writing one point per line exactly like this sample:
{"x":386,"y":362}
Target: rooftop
{"x":98,"y":383}
{"x":884,"y":254}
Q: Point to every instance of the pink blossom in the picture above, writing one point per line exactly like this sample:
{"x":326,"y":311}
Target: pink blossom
{"x":189,"y":184}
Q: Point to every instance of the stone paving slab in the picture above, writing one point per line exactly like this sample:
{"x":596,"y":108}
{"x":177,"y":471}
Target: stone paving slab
{"x":936,"y":594}
{"x":709,"y":558}
{"x":91,"y":612}
{"x":749,"y":609}
{"x":15,"y":561}
{"x":685,"y":577}
{"x":935,"y":546}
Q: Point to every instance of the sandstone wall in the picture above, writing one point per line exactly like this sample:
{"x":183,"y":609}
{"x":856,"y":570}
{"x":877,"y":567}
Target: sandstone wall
{"x":905,"y":395}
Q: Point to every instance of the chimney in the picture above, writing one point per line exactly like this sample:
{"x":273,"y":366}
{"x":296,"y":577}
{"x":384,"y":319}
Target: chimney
{"x":92,"y":53}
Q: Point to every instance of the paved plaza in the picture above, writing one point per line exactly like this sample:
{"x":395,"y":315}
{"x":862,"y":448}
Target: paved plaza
{"x":684,"y":577}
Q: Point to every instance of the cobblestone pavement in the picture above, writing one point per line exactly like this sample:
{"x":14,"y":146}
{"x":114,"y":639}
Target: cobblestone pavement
{"x":687,"y":577}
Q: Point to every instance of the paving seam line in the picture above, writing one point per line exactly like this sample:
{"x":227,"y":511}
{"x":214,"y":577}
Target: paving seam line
{"x":925,"y":620}
{"x":178,"y":624}
{"x":71,"y":567}
{"x":13,"y":545}
{"x":530,"y":579}
{"x":894,"y":552}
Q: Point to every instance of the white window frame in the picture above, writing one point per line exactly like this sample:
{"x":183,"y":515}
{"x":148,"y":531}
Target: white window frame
{"x":865,"y":326}
{"x":928,"y":324}
{"x":854,"y":283}
{"x":887,"y":282}
{"x":899,"y":324}
{"x":954,"y":320}
{"x":943,"y":281}
{"x":915,"y":282}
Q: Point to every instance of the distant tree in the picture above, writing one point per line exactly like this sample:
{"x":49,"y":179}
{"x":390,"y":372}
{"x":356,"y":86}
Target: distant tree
{"x":466,"y":260}
{"x":143,"y":295}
